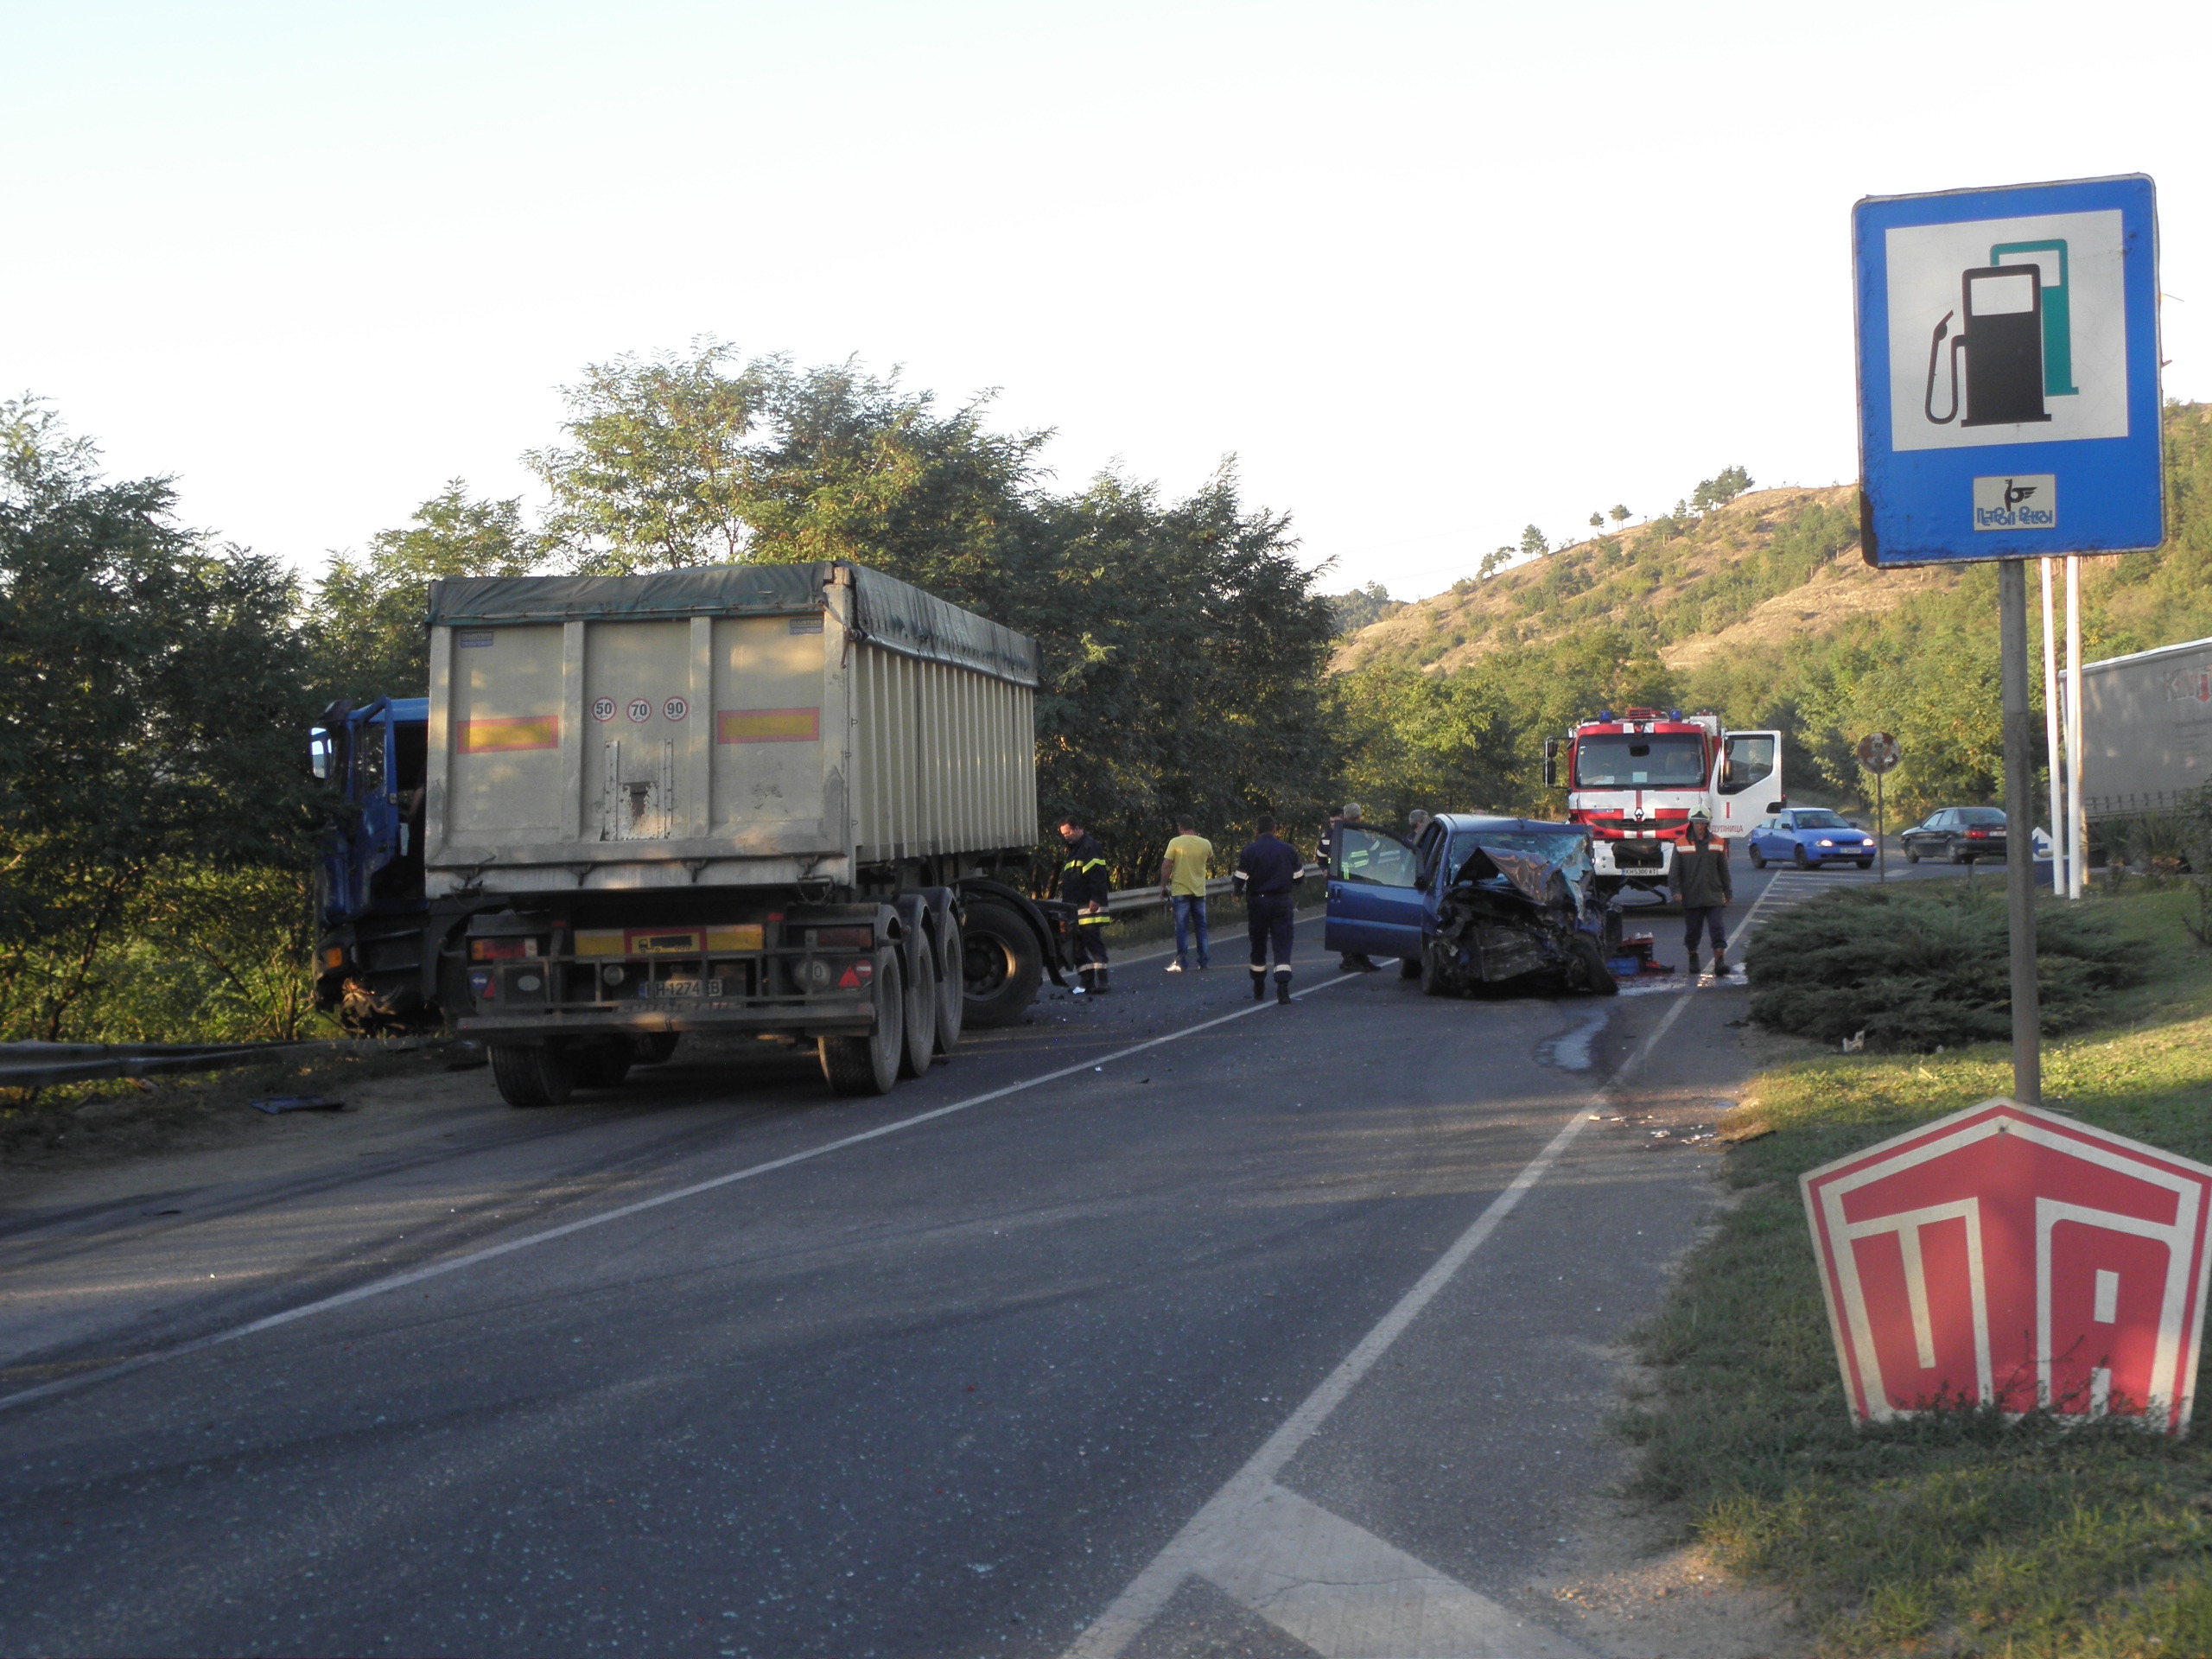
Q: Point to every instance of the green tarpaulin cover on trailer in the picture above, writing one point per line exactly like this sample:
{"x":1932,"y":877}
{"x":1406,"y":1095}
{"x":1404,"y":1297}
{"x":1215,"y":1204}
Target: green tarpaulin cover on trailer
{"x":890,"y":612}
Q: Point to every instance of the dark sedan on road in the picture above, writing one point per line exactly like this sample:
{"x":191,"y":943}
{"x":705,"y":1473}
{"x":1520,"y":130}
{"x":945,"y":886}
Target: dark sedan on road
{"x":1808,"y":836}
{"x":1958,"y":834}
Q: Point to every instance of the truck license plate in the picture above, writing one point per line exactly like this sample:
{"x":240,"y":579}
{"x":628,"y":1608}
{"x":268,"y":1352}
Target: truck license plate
{"x":683,"y":987}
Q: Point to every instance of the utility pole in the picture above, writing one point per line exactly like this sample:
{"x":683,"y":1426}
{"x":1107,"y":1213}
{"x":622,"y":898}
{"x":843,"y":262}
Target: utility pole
{"x":2019,"y":827}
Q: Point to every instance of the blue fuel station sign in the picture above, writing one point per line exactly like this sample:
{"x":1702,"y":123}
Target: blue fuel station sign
{"x":2008,"y":371}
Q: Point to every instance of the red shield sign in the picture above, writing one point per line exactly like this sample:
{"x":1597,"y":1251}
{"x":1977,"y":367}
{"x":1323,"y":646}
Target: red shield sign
{"x":2011,"y":1255}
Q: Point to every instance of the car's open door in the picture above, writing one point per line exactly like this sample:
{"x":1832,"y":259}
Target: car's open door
{"x":1746,"y":781}
{"x":1374,"y":907}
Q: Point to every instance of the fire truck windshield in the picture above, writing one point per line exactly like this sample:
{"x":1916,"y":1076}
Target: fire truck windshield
{"x":1640,"y":760}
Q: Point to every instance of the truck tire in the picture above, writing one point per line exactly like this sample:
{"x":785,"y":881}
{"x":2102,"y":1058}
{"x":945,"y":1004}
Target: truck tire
{"x":869,"y":1065}
{"x":1002,"y":964}
{"x":603,"y":1065}
{"x":533,"y":1075}
{"x":654,"y":1047}
{"x":951,"y":995}
{"x":919,"y":1048}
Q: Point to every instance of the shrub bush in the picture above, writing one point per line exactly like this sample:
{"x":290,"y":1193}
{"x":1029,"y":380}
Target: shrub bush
{"x":1915,"y":970}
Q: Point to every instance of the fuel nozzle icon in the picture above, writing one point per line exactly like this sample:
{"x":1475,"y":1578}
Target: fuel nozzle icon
{"x":2002,"y":342}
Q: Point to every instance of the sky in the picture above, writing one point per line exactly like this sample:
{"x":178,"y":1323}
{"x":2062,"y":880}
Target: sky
{"x":1429,"y":273}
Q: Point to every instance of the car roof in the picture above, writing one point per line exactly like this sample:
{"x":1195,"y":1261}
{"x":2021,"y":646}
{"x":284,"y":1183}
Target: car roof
{"x":1479,"y":822}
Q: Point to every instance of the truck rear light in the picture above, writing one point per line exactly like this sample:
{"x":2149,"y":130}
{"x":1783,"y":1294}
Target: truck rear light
{"x":500,"y":949}
{"x":334,"y":957}
{"x":846,"y":938}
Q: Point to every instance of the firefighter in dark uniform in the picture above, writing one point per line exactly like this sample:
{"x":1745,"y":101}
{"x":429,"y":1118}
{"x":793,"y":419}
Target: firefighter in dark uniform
{"x":1266,"y":871}
{"x":1083,"y":884}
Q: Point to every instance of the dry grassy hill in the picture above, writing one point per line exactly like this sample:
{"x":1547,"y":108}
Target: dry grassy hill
{"x":1769,"y":565}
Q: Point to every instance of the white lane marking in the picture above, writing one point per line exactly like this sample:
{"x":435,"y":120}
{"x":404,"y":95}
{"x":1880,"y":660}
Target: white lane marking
{"x":621,"y":1212}
{"x":1346,"y":1594}
{"x":1149,"y":1591}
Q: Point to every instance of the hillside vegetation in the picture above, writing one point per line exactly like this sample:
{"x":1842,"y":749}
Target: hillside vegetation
{"x":1671,"y":579}
{"x":1760,"y":610}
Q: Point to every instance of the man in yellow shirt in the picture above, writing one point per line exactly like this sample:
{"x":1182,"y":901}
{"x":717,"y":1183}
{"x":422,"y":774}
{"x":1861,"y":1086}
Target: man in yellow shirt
{"x":1183,"y":883}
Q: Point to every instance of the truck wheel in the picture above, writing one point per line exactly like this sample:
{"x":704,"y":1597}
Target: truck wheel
{"x":654,"y":1047}
{"x":1596,"y":977}
{"x":603,"y":1065}
{"x":920,"y":1046}
{"x":869,"y":1065}
{"x":1001,"y":965}
{"x":532,"y":1076}
{"x":951,"y":995}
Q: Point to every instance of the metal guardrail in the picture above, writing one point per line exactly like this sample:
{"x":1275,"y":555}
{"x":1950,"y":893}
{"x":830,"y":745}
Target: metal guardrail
{"x":1136,"y":899}
{"x":43,"y":1066}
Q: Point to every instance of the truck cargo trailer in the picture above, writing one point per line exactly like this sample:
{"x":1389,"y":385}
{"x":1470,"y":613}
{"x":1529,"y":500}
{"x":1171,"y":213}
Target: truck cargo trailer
{"x":2146,"y":729}
{"x":782,"y":801}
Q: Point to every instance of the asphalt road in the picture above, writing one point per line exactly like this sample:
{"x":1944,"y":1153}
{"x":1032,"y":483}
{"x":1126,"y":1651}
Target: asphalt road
{"x":1254,"y":1330}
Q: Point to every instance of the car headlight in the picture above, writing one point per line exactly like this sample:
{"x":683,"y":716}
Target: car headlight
{"x":1825,"y":842}
{"x":1866,"y":843}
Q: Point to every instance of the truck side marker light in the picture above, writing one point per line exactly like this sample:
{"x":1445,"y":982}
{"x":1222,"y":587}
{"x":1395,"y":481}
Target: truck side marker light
{"x":501,"y":950}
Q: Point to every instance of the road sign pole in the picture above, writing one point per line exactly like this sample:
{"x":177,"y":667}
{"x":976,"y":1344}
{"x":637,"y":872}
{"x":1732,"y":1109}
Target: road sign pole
{"x":2077,"y":826}
{"x":2051,"y":742}
{"x":2020,"y":825}
{"x":1881,"y":835}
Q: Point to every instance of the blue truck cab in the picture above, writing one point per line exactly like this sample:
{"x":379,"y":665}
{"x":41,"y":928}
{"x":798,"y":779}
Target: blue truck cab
{"x":383,"y":945}
{"x":1478,"y":900}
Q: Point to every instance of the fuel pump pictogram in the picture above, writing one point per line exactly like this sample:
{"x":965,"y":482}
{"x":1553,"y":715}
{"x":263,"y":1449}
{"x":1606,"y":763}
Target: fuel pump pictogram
{"x":2016,"y":340}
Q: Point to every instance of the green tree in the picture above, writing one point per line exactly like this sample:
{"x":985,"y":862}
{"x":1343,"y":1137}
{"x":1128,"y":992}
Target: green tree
{"x":1494,"y":561}
{"x":1533,"y":542}
{"x":152,"y":709}
{"x":1720,"y":492}
{"x":1618,"y":514}
{"x":366,"y":621}
{"x":658,"y":465}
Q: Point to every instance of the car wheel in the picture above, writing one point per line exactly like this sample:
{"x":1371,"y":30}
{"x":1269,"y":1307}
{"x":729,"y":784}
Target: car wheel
{"x":1432,"y":982}
{"x":1865,"y":863}
{"x":1911,"y":853}
{"x":1408,"y":967}
{"x":1758,"y":858}
{"x":1797,"y":857}
{"x":1595,"y":978}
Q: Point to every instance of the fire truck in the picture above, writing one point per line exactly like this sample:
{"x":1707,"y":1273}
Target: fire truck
{"x":1635,"y":778}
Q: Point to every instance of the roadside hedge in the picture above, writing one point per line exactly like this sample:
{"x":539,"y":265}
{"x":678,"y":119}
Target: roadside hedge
{"x":1920,"y":966}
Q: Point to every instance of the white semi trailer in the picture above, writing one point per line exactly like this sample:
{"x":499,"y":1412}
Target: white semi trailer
{"x":778,"y":800}
{"x":2146,"y":729}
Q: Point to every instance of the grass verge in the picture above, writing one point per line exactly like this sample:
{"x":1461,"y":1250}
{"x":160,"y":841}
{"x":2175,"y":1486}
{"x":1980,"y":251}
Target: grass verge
{"x":1958,"y":1534}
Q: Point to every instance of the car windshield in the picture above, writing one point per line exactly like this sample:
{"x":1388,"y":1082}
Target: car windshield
{"x":1636,"y":761}
{"x":1570,"y":852}
{"x":1821,"y":821}
{"x":1980,"y":815}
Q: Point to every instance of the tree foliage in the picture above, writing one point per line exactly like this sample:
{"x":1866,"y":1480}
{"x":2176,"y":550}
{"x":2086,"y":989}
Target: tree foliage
{"x":365,"y":624}
{"x":152,"y":706}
